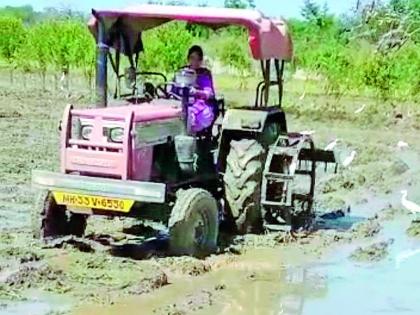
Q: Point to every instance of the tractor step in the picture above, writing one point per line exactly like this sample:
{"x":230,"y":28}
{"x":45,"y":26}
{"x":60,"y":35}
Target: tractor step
{"x":301,"y":197}
{"x":278,"y":177}
{"x":303,"y":172}
{"x":284,"y":151}
{"x":278,"y":227}
{"x":317,"y":155}
{"x":273,"y":203}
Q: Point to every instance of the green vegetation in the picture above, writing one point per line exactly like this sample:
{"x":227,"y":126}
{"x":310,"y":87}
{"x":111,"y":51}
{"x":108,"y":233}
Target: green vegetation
{"x":374,"y":50}
{"x":166,"y":48}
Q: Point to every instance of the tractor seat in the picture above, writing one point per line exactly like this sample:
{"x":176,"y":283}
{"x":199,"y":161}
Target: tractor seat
{"x":218,"y":104}
{"x":218,"y":107}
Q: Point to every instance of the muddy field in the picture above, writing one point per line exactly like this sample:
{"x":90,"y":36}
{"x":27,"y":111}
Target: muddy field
{"x":363,"y":240}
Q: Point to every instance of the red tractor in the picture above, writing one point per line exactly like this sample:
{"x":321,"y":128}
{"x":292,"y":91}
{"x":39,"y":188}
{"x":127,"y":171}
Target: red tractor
{"x":135,"y":156}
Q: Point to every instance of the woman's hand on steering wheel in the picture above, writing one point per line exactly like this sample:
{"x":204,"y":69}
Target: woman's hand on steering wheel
{"x":175,"y":96}
{"x":163,"y":90}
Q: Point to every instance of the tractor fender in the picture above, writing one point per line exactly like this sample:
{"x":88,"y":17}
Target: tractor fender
{"x":244,"y":120}
{"x":249,"y":124}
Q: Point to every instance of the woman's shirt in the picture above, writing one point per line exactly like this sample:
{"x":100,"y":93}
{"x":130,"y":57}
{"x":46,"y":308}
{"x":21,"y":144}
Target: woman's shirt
{"x":205,"y":83}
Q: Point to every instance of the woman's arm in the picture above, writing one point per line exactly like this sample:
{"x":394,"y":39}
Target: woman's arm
{"x":205,"y":85}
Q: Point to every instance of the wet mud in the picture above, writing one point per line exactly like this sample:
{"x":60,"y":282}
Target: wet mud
{"x":121,"y":265}
{"x":414,"y":229}
{"x":371,"y":253}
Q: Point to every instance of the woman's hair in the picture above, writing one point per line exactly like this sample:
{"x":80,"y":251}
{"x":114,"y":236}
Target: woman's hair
{"x":196,"y":49}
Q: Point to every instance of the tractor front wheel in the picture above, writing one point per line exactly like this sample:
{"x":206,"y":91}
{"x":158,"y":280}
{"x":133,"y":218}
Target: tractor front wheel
{"x":193,"y":224}
{"x":51,"y":220}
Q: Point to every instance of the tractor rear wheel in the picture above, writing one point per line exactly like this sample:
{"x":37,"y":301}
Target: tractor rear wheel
{"x":193,"y":224}
{"x":242,"y":182}
{"x":51,"y":220}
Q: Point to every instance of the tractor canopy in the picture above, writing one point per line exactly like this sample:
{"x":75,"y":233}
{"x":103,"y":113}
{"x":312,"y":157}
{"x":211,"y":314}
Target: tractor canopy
{"x":122,"y":29}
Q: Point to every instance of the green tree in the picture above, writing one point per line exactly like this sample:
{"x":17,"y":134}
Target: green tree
{"x":234,"y":53}
{"x":313,"y":13}
{"x":176,"y":2}
{"x":236,"y":4}
{"x":36,"y":53}
{"x":12,"y":36}
{"x":85,"y":54}
{"x":73,"y":47}
{"x":24,"y":13}
{"x":251,"y":4}
{"x":310,"y":10}
{"x":166,"y":47}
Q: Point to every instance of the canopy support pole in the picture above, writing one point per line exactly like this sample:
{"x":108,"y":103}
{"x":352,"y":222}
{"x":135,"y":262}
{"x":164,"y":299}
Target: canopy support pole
{"x":101,"y":67}
{"x":266,"y":74}
{"x":279,"y":71}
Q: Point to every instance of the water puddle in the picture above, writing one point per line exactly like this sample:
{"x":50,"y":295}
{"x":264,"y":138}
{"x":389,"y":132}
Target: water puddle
{"x":36,"y":304}
{"x":285,"y":282}
{"x":256,"y":284}
{"x":371,"y":288}
{"x":412,"y":159}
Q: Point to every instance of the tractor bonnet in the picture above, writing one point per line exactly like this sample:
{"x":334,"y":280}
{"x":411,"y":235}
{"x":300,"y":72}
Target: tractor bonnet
{"x":268,"y":39}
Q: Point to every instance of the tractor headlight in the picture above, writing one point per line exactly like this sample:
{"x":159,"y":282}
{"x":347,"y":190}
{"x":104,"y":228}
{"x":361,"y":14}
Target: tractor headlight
{"x":86,"y":131}
{"x":116,"y":134}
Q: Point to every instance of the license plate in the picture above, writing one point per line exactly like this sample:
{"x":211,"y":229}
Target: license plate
{"x":93,"y":202}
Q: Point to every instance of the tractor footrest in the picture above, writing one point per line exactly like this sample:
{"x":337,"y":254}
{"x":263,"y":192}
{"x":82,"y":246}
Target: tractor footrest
{"x":303,"y":172}
{"x":302,"y":197}
{"x":278,"y":227}
{"x":284,"y":151}
{"x":273,"y":203}
{"x":277,"y":177}
{"x":317,"y":155}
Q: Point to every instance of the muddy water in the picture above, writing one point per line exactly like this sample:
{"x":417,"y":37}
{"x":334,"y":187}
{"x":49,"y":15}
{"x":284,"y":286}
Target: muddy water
{"x":37,"y":303}
{"x":286,"y":281}
{"x":387,"y":287}
{"x":263,"y":283}
{"x":252,"y":284}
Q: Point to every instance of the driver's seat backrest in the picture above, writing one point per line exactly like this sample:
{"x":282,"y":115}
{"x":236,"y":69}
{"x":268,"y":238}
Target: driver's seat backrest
{"x":218,"y":106}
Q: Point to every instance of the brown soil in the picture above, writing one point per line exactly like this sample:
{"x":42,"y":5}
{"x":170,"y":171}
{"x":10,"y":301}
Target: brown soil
{"x":371,"y":253}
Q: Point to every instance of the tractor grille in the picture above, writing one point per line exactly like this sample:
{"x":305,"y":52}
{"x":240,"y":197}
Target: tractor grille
{"x":97,"y":146}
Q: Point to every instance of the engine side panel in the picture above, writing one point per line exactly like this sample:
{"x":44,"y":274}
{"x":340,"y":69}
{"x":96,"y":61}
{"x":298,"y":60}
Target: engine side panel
{"x":157,"y":132}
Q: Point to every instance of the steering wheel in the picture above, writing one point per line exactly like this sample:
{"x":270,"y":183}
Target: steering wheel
{"x":165,"y":93}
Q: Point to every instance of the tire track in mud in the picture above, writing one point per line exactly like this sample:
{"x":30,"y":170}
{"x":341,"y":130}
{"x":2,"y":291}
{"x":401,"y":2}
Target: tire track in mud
{"x":26,"y":143}
{"x":15,"y":205}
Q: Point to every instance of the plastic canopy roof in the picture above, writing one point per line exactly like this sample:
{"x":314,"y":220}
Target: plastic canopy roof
{"x":268,"y":39}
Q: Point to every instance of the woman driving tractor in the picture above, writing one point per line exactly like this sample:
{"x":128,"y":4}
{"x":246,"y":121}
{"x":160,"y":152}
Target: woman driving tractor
{"x":200,"y":112}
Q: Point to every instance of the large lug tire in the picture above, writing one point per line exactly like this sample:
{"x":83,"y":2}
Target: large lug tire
{"x":242,"y":182}
{"x":50,"y":220}
{"x":77,"y":224}
{"x":193,"y":224}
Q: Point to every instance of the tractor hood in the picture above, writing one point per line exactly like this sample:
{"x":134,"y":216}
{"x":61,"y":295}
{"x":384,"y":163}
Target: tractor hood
{"x":268,"y":39}
{"x":155,"y":110}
